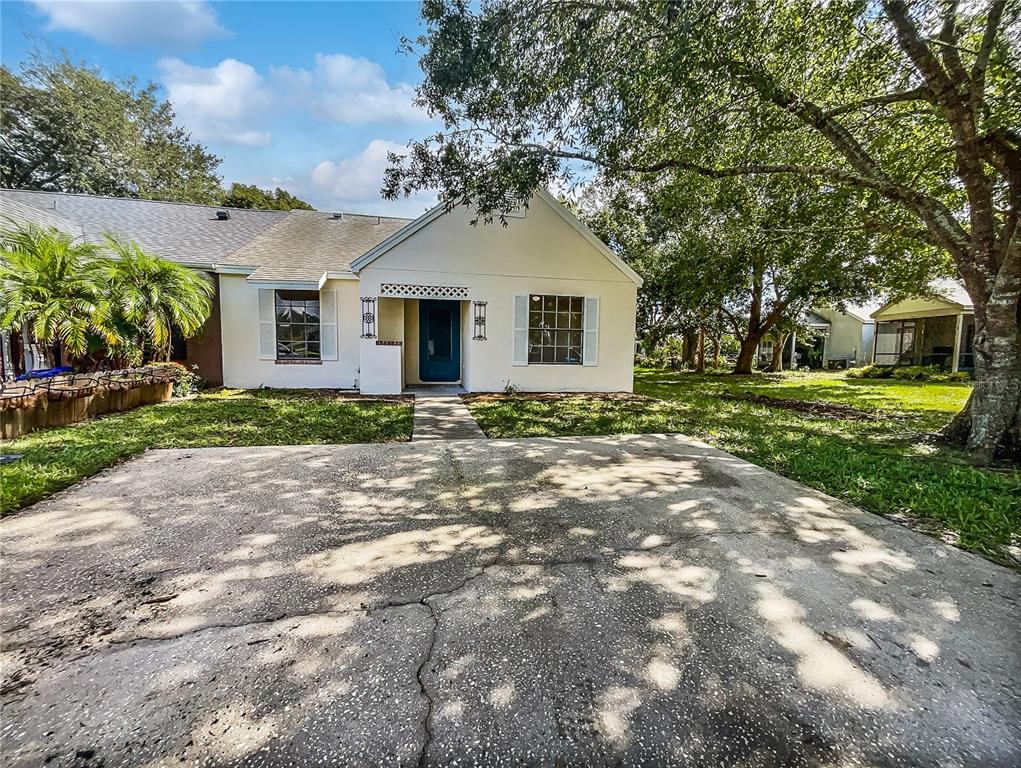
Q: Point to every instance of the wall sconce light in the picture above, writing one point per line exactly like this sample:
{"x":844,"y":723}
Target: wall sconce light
{"x":368,"y":317}
{"x":479,"y":316}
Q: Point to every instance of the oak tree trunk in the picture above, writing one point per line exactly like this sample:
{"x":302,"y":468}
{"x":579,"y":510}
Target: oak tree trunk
{"x":776,"y":362}
{"x":700,"y":356}
{"x":989,"y":426}
{"x":746,"y":356}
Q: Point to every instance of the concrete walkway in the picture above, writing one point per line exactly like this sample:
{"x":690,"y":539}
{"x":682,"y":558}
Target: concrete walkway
{"x":592,"y":601}
{"x":440,"y":414}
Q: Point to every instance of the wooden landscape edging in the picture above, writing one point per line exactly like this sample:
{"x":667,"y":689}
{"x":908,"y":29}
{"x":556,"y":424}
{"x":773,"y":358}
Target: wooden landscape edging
{"x":26,"y":406}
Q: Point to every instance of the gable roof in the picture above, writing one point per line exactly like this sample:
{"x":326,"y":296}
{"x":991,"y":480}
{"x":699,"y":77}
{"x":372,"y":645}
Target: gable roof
{"x":305,"y":245}
{"x":862,"y":312}
{"x":434,"y":213}
{"x":183,"y":232}
{"x":947,"y":292}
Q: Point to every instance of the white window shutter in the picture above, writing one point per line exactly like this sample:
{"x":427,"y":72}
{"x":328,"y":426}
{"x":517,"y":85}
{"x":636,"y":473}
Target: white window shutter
{"x":328,"y":324}
{"x":590,"y":345}
{"x":521,"y":329}
{"x":267,"y":324}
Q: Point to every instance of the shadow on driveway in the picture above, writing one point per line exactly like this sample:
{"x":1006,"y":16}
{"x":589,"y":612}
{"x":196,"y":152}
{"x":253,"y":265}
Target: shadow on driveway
{"x":575,"y":601}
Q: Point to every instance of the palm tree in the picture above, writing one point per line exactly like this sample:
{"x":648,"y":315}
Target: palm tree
{"x":50,"y":285}
{"x":150,"y":297}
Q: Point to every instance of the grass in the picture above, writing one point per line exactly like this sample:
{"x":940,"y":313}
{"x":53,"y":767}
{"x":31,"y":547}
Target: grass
{"x":885,"y":464}
{"x":57,"y":458}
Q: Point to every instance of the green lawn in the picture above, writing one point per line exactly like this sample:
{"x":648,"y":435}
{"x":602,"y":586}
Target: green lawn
{"x":56,"y":458}
{"x":885,"y":464}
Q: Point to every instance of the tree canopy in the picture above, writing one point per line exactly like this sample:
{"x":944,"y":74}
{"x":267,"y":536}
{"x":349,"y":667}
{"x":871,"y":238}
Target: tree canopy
{"x":251,"y":196}
{"x":911,"y":108}
{"x":65,"y":128}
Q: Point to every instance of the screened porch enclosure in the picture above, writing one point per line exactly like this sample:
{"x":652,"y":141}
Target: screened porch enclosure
{"x":945,"y":341}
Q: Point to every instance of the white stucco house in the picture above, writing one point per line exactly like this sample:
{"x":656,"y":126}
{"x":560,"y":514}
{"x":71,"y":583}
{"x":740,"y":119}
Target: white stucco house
{"x":841,"y":338}
{"x":313,"y":299}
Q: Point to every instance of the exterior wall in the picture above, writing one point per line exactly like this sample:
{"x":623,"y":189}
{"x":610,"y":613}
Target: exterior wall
{"x":411,"y":342}
{"x":205,"y":349}
{"x":868,"y":342}
{"x":847,"y":338}
{"x":390,"y":319}
{"x":239,"y":315}
{"x":538,"y":253}
{"x":381,"y":369}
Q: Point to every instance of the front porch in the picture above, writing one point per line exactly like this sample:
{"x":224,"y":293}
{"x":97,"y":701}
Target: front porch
{"x":945,"y":341}
{"x":415,"y":340}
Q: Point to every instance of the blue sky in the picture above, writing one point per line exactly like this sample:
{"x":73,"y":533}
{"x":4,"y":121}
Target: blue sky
{"x":309,"y":96}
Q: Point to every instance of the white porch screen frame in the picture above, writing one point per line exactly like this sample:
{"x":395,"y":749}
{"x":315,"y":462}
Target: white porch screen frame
{"x":590,"y":335}
{"x":520,"y":353}
{"x":267,"y":324}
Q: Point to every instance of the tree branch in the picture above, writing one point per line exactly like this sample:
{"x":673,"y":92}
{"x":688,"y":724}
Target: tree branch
{"x":947,"y":40}
{"x":921,"y":93}
{"x":936,"y":216}
{"x":914,"y":46}
{"x":985,"y":49}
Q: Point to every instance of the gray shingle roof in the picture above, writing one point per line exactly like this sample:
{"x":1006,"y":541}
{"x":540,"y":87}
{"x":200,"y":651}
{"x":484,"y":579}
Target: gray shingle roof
{"x":22,"y":214}
{"x":178,"y":231}
{"x":306,"y":244}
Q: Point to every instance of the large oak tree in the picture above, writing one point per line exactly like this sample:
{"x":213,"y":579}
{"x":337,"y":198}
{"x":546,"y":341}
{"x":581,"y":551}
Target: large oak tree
{"x":915,"y":107}
{"x":65,"y":128}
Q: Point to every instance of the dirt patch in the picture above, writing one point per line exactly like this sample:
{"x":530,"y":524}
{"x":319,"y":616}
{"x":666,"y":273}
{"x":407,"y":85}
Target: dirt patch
{"x":811,"y":407}
{"x":554,"y":396}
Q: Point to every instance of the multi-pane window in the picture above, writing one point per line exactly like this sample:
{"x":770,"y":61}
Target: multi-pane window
{"x":297,"y":314}
{"x":555,"y":329}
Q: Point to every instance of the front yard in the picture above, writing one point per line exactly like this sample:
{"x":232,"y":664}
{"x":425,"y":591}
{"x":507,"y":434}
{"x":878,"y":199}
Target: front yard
{"x":53,"y":459}
{"x":873,"y":454}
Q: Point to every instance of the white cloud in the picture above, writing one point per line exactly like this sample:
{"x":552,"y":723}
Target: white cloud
{"x":218,"y":103}
{"x":169,"y":23}
{"x":349,"y":90}
{"x":353,"y":183}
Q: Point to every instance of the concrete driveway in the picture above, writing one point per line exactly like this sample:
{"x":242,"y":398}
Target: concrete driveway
{"x":589,"y":601}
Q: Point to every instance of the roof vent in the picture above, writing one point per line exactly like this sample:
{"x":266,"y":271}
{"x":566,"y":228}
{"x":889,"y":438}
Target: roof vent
{"x":338,"y":214}
{"x":222,"y":215}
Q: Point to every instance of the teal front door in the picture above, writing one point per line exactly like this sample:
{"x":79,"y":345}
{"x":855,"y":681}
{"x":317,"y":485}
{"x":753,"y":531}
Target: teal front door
{"x":439,"y":333}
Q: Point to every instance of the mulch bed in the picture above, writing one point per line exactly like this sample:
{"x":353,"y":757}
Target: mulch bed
{"x":811,"y":407}
{"x":336,"y":395}
{"x":612,"y":396}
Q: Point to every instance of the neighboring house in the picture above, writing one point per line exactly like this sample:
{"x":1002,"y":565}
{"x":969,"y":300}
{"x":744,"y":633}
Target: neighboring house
{"x":847,"y":335}
{"x":928,"y":331}
{"x":840,"y":339}
{"x":311,"y":299}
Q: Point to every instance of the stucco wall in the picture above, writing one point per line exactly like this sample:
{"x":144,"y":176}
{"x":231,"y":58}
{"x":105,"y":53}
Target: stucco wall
{"x":540,"y":253}
{"x":847,"y":337}
{"x":242,"y":367}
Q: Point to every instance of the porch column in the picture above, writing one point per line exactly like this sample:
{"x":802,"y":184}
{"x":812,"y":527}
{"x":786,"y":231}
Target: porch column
{"x":956,"y":362}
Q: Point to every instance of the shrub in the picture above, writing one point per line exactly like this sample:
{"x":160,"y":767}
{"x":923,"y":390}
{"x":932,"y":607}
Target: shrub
{"x":907,"y":373}
{"x":871,"y":372}
{"x":187,"y":382}
{"x":918,"y":373}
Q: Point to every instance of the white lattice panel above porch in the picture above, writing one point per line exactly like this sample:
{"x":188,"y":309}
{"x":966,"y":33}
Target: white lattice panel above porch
{"x":410,"y":291}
